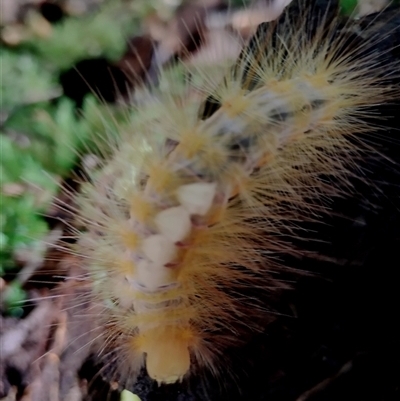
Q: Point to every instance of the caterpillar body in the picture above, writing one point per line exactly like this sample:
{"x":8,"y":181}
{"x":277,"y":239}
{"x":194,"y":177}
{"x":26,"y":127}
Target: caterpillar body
{"x":209,"y":199}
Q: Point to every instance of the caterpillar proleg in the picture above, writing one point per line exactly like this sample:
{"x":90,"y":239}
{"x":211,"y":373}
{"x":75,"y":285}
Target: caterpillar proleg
{"x":209,"y":199}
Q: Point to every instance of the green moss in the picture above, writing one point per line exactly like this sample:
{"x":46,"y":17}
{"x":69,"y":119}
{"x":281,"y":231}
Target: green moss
{"x":102,"y":33}
{"x":27,"y":81}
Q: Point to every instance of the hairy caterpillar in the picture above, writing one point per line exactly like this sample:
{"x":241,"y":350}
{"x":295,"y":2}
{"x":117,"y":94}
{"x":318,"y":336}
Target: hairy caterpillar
{"x":208,"y":199}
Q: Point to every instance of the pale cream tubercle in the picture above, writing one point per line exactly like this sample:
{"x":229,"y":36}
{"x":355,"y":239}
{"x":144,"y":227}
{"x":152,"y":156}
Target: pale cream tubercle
{"x":197,"y":198}
{"x":174,"y":223}
{"x":152,"y":276}
{"x":159,"y":249}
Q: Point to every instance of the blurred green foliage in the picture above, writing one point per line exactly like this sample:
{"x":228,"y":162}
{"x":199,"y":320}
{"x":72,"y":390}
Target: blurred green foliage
{"x":103,"y":33}
{"x":348,"y":6}
{"x":24,"y":80}
{"x":40,"y":144}
{"x":42,"y":136}
{"x":13,"y":298}
{"x":19,"y":222}
{"x":38,"y":147}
